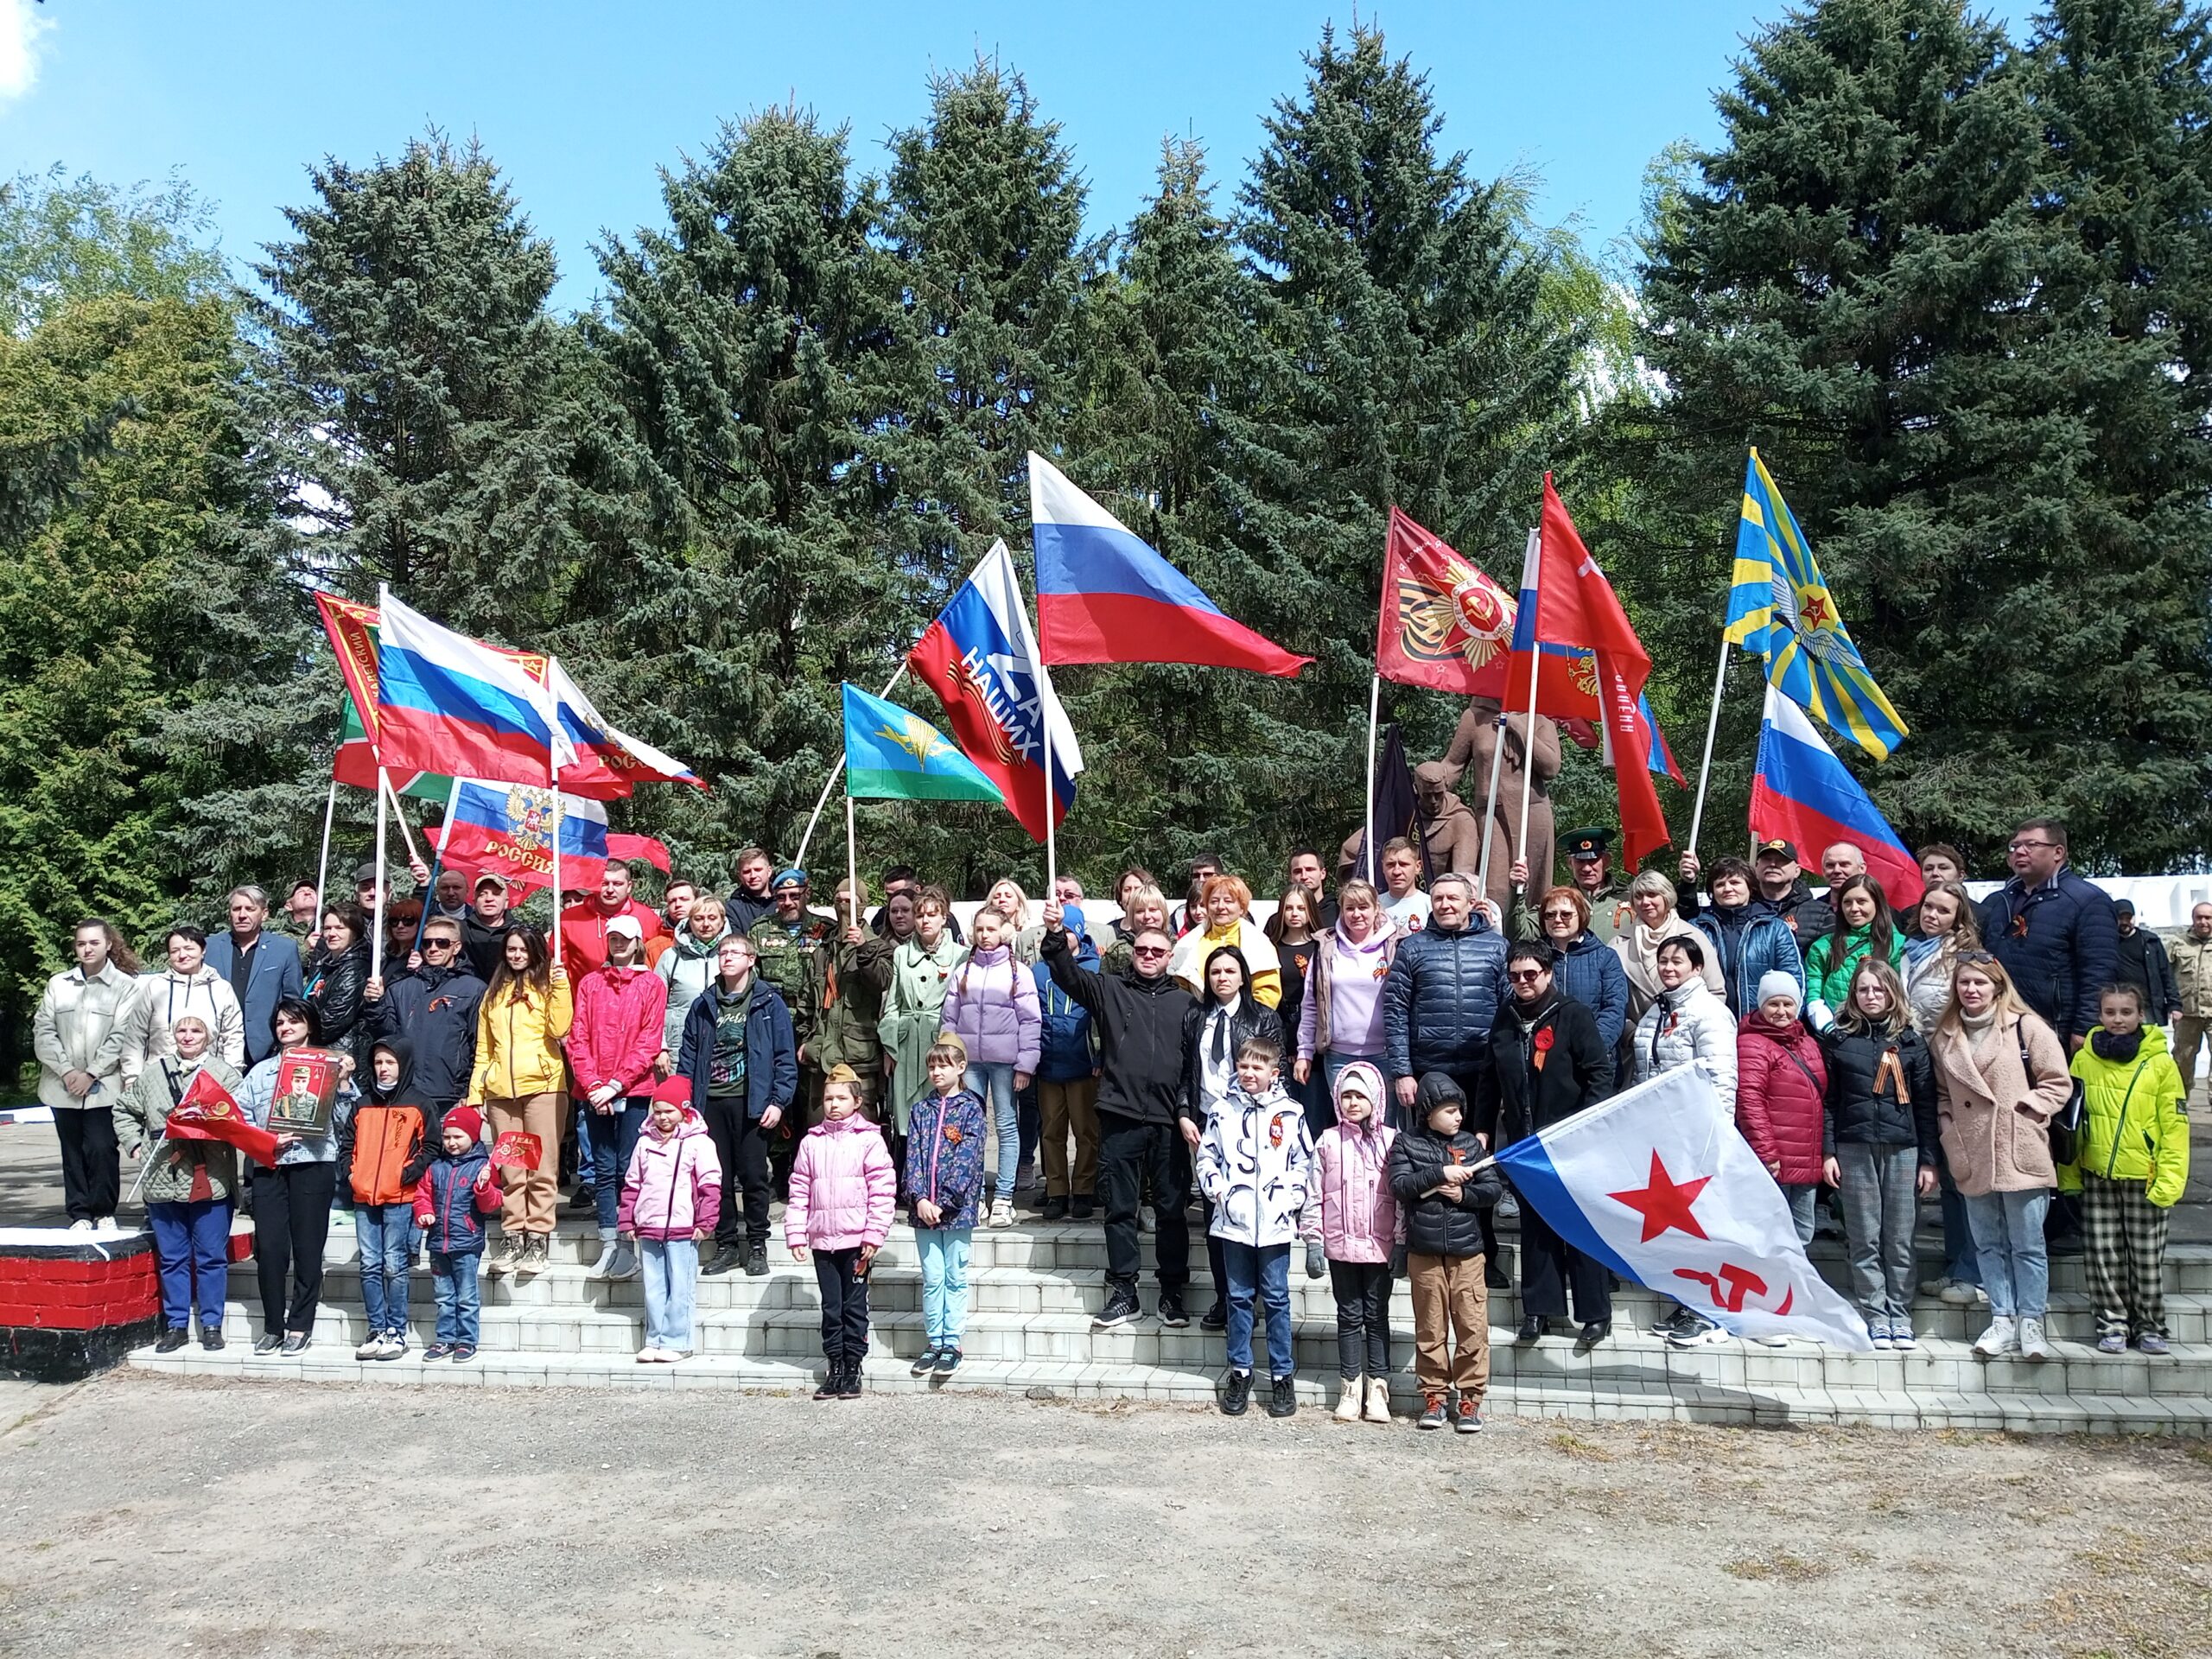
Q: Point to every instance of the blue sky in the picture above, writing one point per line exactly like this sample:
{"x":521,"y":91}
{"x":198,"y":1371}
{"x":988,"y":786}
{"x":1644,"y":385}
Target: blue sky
{"x":580,"y":103}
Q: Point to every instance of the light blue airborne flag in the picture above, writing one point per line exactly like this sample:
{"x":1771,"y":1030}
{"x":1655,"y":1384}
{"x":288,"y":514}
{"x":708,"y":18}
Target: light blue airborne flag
{"x":1780,"y":609}
{"x":894,"y":755}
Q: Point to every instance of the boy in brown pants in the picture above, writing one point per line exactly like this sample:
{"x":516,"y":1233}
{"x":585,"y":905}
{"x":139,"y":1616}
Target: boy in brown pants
{"x":1443,"y":1179}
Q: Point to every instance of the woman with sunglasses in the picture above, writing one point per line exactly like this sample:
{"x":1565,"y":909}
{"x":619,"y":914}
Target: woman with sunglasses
{"x":1587,"y":969}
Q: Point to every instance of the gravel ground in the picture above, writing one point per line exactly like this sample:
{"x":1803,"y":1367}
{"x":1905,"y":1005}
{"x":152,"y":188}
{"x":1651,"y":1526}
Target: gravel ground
{"x":150,"y":1516}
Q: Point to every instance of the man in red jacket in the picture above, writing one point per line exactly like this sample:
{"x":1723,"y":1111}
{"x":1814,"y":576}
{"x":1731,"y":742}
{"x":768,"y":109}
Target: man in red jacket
{"x":583,"y":927}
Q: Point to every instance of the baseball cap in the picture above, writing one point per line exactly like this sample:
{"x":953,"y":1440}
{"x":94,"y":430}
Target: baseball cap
{"x":488,"y":879}
{"x":1777,"y":848}
{"x":624,"y":924}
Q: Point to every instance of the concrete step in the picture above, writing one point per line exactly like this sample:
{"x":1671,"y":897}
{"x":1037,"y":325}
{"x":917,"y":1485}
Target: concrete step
{"x":1654,"y":1395}
{"x":896,"y":1286}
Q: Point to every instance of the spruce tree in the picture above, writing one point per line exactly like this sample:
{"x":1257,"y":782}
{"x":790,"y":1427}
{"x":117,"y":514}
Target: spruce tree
{"x":745,"y":341}
{"x":1411,"y":352}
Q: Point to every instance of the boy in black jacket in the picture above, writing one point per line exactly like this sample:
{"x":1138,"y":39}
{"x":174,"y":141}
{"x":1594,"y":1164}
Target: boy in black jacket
{"x":1443,"y":1179}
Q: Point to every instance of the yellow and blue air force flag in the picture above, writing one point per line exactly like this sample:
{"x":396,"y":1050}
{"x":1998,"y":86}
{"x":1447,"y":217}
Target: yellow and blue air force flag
{"x":1780,"y":609}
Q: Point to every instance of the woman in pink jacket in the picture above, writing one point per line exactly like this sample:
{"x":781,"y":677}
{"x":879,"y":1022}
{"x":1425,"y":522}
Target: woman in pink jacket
{"x":990,"y":1004}
{"x":843,"y":1188}
{"x":671,"y":1195}
{"x":612,"y":1043}
{"x":1354,"y":1219}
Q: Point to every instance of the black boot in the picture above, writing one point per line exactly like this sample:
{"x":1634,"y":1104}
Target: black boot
{"x":834,"y":1383}
{"x":850,"y":1387}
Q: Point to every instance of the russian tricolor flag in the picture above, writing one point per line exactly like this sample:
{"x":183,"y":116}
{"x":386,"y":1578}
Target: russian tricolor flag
{"x":1802,"y":793}
{"x":1105,"y":596}
{"x":608,"y":764}
{"x":446,"y":703}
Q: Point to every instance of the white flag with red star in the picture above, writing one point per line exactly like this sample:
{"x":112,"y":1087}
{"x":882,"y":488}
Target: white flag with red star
{"x":1657,"y":1185}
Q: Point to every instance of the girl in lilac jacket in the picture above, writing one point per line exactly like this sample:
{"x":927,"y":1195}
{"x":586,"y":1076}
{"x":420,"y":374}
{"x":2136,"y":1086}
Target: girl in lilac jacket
{"x":1356,"y":1219}
{"x":990,"y":1004}
{"x":842,"y":1189}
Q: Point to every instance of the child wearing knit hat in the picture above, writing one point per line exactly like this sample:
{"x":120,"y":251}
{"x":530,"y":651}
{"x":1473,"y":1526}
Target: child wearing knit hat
{"x":456,"y":1192}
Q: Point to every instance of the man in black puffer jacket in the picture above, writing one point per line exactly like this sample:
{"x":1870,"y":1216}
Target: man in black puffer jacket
{"x":1138,"y":1021}
{"x":2054,"y":932}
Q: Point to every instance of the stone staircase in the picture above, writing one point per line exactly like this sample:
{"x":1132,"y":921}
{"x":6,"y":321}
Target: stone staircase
{"x":1034,"y":1286}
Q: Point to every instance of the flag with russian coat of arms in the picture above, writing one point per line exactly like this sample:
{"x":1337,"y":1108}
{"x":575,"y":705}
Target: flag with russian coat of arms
{"x":1657,"y":1184}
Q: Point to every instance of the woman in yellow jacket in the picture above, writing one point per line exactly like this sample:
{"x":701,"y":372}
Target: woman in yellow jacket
{"x":2132,"y":1165}
{"x":521,"y":1081}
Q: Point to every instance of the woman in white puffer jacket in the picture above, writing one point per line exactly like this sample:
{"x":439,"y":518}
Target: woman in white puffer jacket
{"x":1687,"y":1023}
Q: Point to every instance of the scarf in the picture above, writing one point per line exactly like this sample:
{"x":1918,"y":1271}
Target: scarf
{"x":1642,"y":959}
{"x":2120,"y":1050}
{"x":690,"y":947}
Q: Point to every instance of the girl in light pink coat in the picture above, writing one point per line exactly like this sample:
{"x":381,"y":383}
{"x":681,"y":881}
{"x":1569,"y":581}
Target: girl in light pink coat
{"x":843,"y":1186}
{"x":670,"y":1195}
{"x":1354,"y":1219}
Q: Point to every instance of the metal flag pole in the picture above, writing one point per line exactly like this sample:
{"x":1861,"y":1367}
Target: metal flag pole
{"x":852,"y":872}
{"x":1373,"y":715}
{"x":437,"y":862}
{"x":1712,"y":727}
{"x":1535,"y":660}
{"x":836,"y":771}
{"x":1051,"y":850}
{"x":322,"y":869}
{"x":376,"y":935}
{"x":1490,"y":802}
{"x":553,"y":784}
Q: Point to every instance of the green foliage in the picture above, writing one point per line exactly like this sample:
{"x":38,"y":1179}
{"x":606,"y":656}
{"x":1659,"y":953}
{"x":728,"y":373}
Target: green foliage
{"x":64,"y":239}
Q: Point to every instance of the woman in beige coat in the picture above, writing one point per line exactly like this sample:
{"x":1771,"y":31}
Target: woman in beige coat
{"x":2001,"y":1077}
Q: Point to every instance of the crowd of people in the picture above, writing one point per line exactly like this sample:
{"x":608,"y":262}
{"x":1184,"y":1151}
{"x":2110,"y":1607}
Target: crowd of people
{"x":1333,"y":1079}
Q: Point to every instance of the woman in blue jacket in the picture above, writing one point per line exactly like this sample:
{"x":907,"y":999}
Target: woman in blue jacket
{"x":1585,"y":968}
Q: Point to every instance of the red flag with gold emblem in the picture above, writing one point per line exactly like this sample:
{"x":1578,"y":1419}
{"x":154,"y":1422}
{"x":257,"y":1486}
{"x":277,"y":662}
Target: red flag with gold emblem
{"x":208,"y":1112}
{"x":1444,"y":625}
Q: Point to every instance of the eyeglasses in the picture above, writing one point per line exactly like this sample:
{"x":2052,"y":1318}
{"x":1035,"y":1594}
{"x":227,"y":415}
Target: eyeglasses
{"x":2021,"y":846}
{"x":1558,"y":916}
{"x":1524,"y":976}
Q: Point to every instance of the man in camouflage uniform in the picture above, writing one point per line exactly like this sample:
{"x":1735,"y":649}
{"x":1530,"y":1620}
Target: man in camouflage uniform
{"x":859,"y":976}
{"x":793,"y":949}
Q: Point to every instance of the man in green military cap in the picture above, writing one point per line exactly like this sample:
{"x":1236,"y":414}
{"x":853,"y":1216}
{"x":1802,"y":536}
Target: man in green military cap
{"x":792,"y":945}
{"x":1589,"y":859}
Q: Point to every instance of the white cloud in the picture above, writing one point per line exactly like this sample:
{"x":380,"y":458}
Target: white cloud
{"x":22,"y":24}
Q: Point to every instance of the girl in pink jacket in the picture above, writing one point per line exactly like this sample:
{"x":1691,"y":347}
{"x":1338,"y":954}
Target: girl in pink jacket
{"x":671,"y":1195}
{"x":1355,"y":1220}
{"x":990,"y":1004}
{"x":842,"y":1189}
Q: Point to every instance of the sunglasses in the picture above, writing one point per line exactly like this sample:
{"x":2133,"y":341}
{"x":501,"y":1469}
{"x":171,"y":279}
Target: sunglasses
{"x":1149,"y":950}
{"x":1525,"y":976}
{"x":434,"y":943}
{"x":1975,"y":957}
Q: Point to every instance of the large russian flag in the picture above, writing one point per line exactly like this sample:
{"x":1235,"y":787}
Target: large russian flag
{"x":1105,"y":596}
{"x":1802,"y":793}
{"x":446,"y":703}
{"x":979,"y":658}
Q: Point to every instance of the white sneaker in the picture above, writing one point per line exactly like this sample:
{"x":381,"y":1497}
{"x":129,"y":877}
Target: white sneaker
{"x":108,"y":1227}
{"x":625,"y":1262}
{"x":1774,"y":1340}
{"x":603,"y":1268}
{"x":2032,"y":1346}
{"x":81,"y":1226}
{"x":1999,"y":1339}
{"x":395,"y":1345}
{"x":649,"y":1356}
{"x":1378,"y":1401}
{"x":371,"y":1349}
{"x":1348,"y":1402}
{"x":1147,"y":1221}
{"x":1001,"y":1212}
{"x":1956,"y":1292}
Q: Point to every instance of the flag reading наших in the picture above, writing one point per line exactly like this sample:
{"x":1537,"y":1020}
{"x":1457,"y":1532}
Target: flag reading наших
{"x":894,"y":755}
{"x":1780,"y":609}
{"x":1105,"y":596}
{"x":1443,"y":623}
{"x":981,"y":661}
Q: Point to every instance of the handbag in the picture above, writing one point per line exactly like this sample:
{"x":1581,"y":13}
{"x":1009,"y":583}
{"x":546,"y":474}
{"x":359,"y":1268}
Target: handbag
{"x":2066,"y":1124}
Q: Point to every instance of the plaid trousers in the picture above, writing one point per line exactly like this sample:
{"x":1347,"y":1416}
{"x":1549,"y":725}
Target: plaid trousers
{"x":2124,"y":1240}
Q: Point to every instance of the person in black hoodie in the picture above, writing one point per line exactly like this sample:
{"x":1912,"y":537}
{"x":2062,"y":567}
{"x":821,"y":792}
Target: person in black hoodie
{"x":1550,"y":1064}
{"x":1214,"y":1028}
{"x":383,"y":1149}
{"x":1444,"y":1180}
{"x":1138,"y":1021}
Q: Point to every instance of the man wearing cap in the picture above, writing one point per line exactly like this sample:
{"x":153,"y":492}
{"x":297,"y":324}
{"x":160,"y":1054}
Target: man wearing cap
{"x":483,"y":929}
{"x":434,"y":1007}
{"x":792,"y":945}
{"x":1590,"y":865}
{"x":1782,"y":884}
{"x":2142,"y":961}
{"x":583,"y":927}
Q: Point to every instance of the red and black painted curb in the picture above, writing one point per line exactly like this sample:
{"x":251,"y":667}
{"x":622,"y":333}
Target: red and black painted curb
{"x":72,"y":1305}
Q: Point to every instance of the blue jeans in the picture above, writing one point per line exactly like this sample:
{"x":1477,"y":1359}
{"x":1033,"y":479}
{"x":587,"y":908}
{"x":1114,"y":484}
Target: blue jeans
{"x":192,"y":1239}
{"x":945,"y":1252}
{"x":2008,"y":1237}
{"x":613,"y":1138}
{"x":671,"y":1276}
{"x":1801,"y":1200}
{"x":1961,"y":1260}
{"x":585,"y":1150}
{"x":453,"y":1280}
{"x":1265,"y":1271}
{"x":387,"y":1234}
{"x":993,"y":1082}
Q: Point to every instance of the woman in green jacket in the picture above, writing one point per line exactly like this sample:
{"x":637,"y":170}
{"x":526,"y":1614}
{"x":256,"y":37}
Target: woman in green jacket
{"x":1863,"y":928}
{"x":2132,"y":1166}
{"x":190,"y":1185}
{"x":909,"y":1024}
